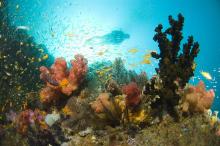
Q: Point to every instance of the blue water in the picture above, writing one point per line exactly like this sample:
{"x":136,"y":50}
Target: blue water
{"x":64,"y":27}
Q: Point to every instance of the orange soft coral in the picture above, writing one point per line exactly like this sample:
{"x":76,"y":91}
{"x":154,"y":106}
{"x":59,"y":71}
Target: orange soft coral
{"x":132,"y":93}
{"x":197,"y":99}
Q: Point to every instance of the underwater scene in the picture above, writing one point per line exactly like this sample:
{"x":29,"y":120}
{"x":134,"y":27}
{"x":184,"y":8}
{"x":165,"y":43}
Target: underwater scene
{"x":109,"y":73}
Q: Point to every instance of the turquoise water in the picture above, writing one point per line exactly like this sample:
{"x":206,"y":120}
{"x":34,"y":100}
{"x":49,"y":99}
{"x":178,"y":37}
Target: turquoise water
{"x":67,"y":27}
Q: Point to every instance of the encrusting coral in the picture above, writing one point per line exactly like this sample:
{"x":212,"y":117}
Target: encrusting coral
{"x":175,"y":68}
{"x":197,"y":99}
{"x":59,"y":80}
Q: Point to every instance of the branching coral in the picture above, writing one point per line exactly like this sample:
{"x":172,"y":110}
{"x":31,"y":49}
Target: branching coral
{"x":197,"y":99}
{"x":61,"y":81}
{"x":175,"y":68}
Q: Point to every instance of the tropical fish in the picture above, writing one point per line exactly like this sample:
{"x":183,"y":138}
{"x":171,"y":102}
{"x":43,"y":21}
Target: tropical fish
{"x":133,"y":51}
{"x":45,"y":57}
{"x":0,"y":4}
{"x":22,"y":28}
{"x":69,"y":34}
{"x":17,"y":7}
{"x":104,"y":70}
{"x":206,"y":75}
{"x":133,"y":65}
{"x":146,"y":59}
{"x":194,"y":66}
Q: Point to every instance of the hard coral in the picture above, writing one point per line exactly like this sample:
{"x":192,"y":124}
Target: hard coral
{"x":175,"y":68}
{"x":197,"y":99}
{"x":132,"y":93}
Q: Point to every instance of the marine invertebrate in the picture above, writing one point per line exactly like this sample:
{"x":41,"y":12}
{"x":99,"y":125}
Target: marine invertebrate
{"x":29,"y":118}
{"x":197,"y":99}
{"x":55,"y":74}
{"x":49,"y":95}
{"x":76,"y":74}
{"x":102,"y":103}
{"x":59,"y":80}
{"x":132,"y":93}
{"x":113,"y":88}
{"x":175,"y":67}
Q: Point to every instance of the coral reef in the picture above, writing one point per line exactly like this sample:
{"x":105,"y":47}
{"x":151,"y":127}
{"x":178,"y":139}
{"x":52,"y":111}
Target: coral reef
{"x":175,"y":67}
{"x":105,"y":104}
{"x":197,"y":99}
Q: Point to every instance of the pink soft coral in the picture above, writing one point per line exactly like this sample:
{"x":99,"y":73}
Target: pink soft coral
{"x":56,"y":73}
{"x":132,"y":93}
{"x":76,"y":74}
{"x":197,"y":99}
{"x":59,"y":80}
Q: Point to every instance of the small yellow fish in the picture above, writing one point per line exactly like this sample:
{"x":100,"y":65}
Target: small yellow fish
{"x":146,"y":59}
{"x":64,"y":83}
{"x":206,"y":75}
{"x":214,"y":118}
{"x":45,"y":57}
{"x":194,"y":66}
{"x":133,"y":51}
{"x":69,"y":34}
{"x":0,"y":4}
{"x":101,"y":53}
{"x":133,"y":65}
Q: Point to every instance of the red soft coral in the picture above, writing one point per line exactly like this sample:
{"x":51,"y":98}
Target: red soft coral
{"x":133,"y":94}
{"x":197,"y":99}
